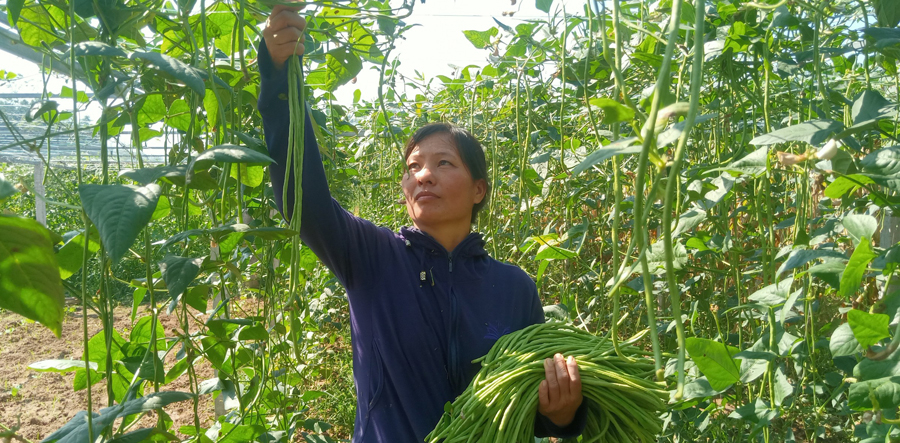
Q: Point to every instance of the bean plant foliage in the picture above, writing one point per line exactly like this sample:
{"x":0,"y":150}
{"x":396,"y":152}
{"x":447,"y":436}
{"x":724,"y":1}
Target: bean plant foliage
{"x":712,"y":183}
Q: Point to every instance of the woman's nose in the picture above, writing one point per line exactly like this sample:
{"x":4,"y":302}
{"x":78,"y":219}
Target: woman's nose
{"x":424,"y":175}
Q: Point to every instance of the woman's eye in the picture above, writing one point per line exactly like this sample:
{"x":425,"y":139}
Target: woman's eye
{"x":412,"y":166}
{"x":444,"y":162}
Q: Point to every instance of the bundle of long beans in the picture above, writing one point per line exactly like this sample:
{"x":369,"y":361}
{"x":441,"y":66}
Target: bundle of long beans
{"x":500,"y":403}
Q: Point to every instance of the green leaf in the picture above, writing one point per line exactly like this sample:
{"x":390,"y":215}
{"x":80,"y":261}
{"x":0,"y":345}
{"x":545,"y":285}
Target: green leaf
{"x":59,"y":365}
{"x":843,"y":342}
{"x":96,"y":48}
{"x":7,"y":189}
{"x":885,"y":391}
{"x":623,"y":146}
{"x":829,"y":271}
{"x":783,"y":387}
{"x":689,"y":220}
{"x":251,"y":176}
{"x":71,"y":255}
{"x":755,"y":163}
{"x":859,"y":226}
{"x":119,"y":212}
{"x":149,"y":175}
{"x":138,"y":436}
{"x":868,"y":329}
{"x":543,"y":5}
{"x":843,"y":185}
{"x":813,"y":132}
{"x":774,"y":294}
{"x":672,"y":134}
{"x":341,"y":66}
{"x":656,"y":256}
{"x":870,"y":106}
{"x":14,"y":7}
{"x":230,"y":154}
{"x":176,"y":68}
{"x":757,"y":412}
{"x":141,"y":333}
{"x":197,"y":297}
{"x":856,"y":268}
{"x":29,"y":274}
{"x":179,"y":272}
{"x":800,"y":257}
{"x":884,"y":162}
{"x":481,"y":39}
{"x":152,"y":402}
{"x":714,"y":361}
{"x":613,"y":111}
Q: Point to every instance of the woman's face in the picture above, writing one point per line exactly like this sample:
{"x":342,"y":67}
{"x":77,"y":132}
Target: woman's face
{"x":438,"y":187}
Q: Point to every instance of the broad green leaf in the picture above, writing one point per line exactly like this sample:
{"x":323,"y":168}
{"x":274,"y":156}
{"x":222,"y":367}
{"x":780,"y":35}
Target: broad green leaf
{"x":859,"y":226}
{"x":843,"y":185}
{"x":153,"y":401}
{"x":251,"y":176}
{"x":800,"y":257}
{"x":543,"y":5}
{"x":98,"y":49}
{"x":700,"y":388}
{"x":689,"y":220}
{"x":14,"y":7}
{"x":7,"y":189}
{"x":757,"y":412}
{"x":886,"y":391}
{"x":868,"y":329}
{"x":623,"y":146}
{"x":141,"y":333}
{"x":870,"y":106}
{"x":71,"y":255}
{"x":843,"y":342}
{"x":884,"y":162}
{"x":153,"y":109}
{"x":714,"y":361}
{"x":783,"y":387}
{"x":59,"y":365}
{"x":887,"y":12}
{"x":774,"y":294}
{"x":197,"y":297}
{"x":656,"y":256}
{"x":230,"y":154}
{"x":341,"y":66}
{"x":176,"y":68}
{"x":813,"y":132}
{"x":138,"y":436}
{"x":481,"y":39}
{"x":672,"y":134}
{"x":613,"y":111}
{"x":241,"y":433}
{"x":755,"y":163}
{"x":830,"y":272}
{"x":179,"y":272}
{"x":856,"y":268}
{"x":38,"y":109}
{"x":119,"y":212}
{"x":255,"y":332}
{"x":29,"y":274}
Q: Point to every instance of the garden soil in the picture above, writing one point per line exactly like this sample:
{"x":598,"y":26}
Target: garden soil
{"x":38,"y":403}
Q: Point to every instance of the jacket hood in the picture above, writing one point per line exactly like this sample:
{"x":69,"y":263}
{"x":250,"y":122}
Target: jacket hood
{"x":471,"y":246}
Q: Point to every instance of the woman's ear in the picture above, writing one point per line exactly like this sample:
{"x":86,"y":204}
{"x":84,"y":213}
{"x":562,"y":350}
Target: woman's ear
{"x":480,"y":190}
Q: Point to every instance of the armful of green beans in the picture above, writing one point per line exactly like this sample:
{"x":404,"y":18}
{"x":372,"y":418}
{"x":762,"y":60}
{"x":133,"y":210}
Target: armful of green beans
{"x":500,"y":403}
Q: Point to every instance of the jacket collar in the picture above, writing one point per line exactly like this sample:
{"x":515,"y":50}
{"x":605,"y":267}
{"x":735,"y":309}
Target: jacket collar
{"x":471,"y":246}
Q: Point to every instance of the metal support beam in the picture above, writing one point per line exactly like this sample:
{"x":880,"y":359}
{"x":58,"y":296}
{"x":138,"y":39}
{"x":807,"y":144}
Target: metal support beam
{"x":11,"y":43}
{"x":40,"y":208}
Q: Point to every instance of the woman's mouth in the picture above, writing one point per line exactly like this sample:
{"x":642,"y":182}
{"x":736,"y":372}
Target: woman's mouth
{"x":426,"y":195}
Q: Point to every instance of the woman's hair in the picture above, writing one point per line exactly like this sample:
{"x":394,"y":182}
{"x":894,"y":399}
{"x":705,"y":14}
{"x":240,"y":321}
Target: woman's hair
{"x":470,"y":150}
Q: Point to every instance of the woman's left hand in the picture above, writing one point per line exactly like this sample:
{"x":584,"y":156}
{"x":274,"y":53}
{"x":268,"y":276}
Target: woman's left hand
{"x":560,"y":394}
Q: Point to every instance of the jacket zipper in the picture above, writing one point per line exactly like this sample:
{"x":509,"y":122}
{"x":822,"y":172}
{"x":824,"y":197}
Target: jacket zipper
{"x":454,"y":324}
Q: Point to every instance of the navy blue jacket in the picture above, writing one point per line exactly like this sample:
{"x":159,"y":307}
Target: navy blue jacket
{"x":419,"y":314}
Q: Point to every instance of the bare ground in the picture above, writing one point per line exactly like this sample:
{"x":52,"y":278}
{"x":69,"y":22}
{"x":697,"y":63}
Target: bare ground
{"x":38,"y":403}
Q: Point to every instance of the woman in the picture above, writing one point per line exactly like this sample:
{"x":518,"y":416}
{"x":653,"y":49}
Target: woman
{"x":426,"y":301}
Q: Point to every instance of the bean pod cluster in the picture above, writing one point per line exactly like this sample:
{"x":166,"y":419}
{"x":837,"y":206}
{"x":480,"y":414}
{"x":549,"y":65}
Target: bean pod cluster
{"x":500,"y":404}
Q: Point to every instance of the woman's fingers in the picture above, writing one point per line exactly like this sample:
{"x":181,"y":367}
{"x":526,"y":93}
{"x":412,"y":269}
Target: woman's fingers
{"x":552,"y":382}
{"x":289,"y":36}
{"x":562,"y":375}
{"x":294,"y":8}
{"x":285,"y":19}
{"x":574,"y":375}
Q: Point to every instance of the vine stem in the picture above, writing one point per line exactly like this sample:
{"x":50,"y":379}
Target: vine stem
{"x":671,"y":188}
{"x":640,"y":218}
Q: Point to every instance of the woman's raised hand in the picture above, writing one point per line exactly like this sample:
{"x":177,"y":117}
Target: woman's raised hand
{"x":560,"y":393}
{"x":284,"y":28}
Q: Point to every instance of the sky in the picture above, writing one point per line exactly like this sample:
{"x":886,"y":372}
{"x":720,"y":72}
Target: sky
{"x":430,"y":48}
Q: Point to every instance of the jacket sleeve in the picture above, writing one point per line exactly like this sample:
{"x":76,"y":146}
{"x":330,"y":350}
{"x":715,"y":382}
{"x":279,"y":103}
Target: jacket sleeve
{"x":326,"y":227}
{"x":543,"y":427}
